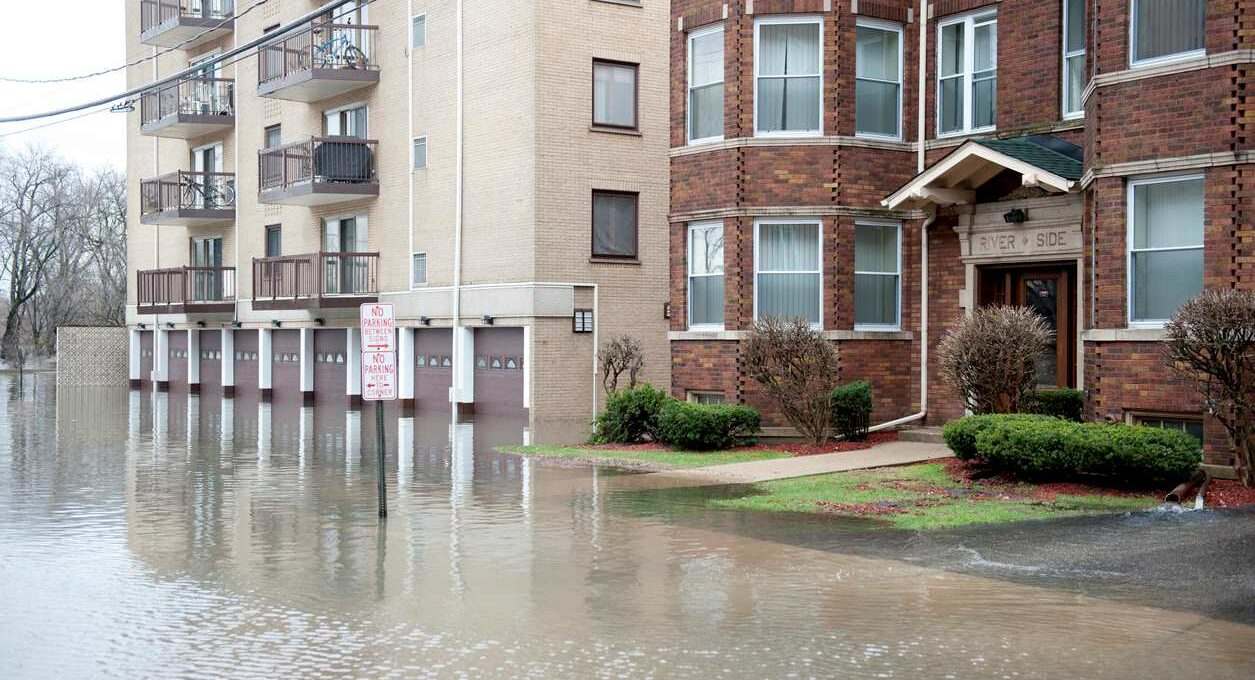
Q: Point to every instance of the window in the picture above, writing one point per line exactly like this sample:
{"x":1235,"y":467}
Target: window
{"x":788,"y":77}
{"x":614,"y":224}
{"x":418,"y":31}
{"x":877,"y":275}
{"x":1191,"y":425}
{"x":273,"y":137}
{"x":420,"y":153}
{"x":419,"y":269}
{"x":967,"y":83}
{"x":706,"y":397}
{"x":878,"y":79}
{"x":614,"y":94}
{"x":582,"y":322}
{"x":1073,"y":57}
{"x":349,"y":121}
{"x":274,"y":240}
{"x":1166,"y":246}
{"x":706,"y":84}
{"x":787,"y":270}
{"x":705,"y":262}
{"x":1166,"y":29}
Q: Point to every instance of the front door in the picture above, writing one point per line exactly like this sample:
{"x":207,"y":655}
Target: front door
{"x":346,"y":271}
{"x":1050,"y":291}
{"x":206,"y":271}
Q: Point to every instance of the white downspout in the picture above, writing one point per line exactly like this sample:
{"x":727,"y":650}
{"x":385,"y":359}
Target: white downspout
{"x":409,"y":88}
{"x":457,"y":218}
{"x":921,"y":93}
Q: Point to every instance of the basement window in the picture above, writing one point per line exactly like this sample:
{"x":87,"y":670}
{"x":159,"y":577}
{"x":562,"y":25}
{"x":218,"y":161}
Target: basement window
{"x":1189,"y":424}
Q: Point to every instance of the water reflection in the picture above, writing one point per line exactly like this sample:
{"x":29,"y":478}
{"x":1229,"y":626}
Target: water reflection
{"x":171,"y":535}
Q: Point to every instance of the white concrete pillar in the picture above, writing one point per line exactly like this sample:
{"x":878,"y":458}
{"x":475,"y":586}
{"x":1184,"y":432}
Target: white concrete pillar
{"x":193,"y":419}
{"x":352,"y":440}
{"x":228,"y":362}
{"x":405,"y":453}
{"x":463,"y":389}
{"x":305,"y":433}
{"x":161,"y":358}
{"x":228,"y":425}
{"x":264,"y":358}
{"x":135,"y":359}
{"x":264,"y":429}
{"x":353,"y":369}
{"x":307,"y":364}
{"x":405,"y":365}
{"x":193,"y":360}
{"x":527,"y":367}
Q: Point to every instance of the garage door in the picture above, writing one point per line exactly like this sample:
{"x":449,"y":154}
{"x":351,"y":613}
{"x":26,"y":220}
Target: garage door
{"x":145,"y":357}
{"x":178,"y":360}
{"x":210,"y":360}
{"x":498,"y":370}
{"x":285,"y":376}
{"x":433,"y":367}
{"x":245,"y":362}
{"x":330,"y":364}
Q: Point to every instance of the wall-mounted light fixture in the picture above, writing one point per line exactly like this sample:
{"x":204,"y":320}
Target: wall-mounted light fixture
{"x":666,"y":310}
{"x":170,"y":325}
{"x":200,"y":324}
{"x":236,"y":324}
{"x":488,"y":320}
{"x":1015,"y":216}
{"x":141,"y":326}
{"x":319,"y":322}
{"x":276,"y":323}
{"x":424,"y":320}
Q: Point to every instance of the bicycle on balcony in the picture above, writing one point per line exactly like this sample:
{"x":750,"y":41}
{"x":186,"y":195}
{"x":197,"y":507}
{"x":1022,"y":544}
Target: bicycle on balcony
{"x":211,"y":194}
{"x":339,"y":51}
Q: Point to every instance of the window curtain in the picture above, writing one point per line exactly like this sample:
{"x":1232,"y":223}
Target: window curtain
{"x":614,"y":95}
{"x":1074,"y":55}
{"x":706,"y":86}
{"x":1167,"y":247}
{"x":1167,"y":27}
{"x":876,"y":278}
{"x":788,"y":84}
{"x":985,"y":75}
{"x":706,"y":275}
{"x":952,"y":67}
{"x":789,"y":278}
{"x":877,"y":83}
{"x":614,"y":225}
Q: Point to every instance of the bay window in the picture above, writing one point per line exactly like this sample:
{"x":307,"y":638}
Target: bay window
{"x":787,"y":269}
{"x":788,"y":76}
{"x":705,"y":87}
{"x":1166,"y":29}
{"x":1073,"y":57}
{"x":1165,"y":246}
{"x":705,"y":265}
{"x":967,"y":81}
{"x":877,"y":275}
{"x":878,"y":79}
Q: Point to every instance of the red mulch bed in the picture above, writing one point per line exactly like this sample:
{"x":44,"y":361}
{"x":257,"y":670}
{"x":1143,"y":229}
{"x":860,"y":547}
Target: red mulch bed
{"x":976,"y":474}
{"x":791,"y":448}
{"x":1228,"y":493}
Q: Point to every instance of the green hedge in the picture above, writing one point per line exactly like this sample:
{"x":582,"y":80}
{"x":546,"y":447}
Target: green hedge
{"x":707,"y":427}
{"x":1034,"y":449}
{"x":852,"y":410}
{"x":1156,"y":455}
{"x":960,"y":435}
{"x":1060,"y":403}
{"x":631,"y":416}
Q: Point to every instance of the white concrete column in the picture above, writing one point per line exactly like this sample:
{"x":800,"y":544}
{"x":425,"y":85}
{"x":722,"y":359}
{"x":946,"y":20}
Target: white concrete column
{"x":228,"y":425}
{"x":264,"y":358}
{"x":307,"y":363}
{"x":405,"y":364}
{"x":135,"y":360}
{"x":193,"y":360}
{"x":463,"y":389}
{"x":405,"y":453}
{"x":264,"y":429}
{"x":161,"y":357}
{"x":527,"y":367}
{"x":353,"y":368}
{"x":193,"y":418}
{"x":305,"y":441}
{"x":228,"y":362}
{"x":352,"y":440}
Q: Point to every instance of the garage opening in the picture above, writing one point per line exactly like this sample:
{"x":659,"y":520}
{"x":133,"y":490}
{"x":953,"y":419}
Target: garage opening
{"x":433,"y":367}
{"x":330,"y":364}
{"x":498,"y":370}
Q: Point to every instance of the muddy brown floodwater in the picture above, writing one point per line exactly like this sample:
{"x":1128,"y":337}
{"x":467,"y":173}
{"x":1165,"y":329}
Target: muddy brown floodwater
{"x":166,"y":536}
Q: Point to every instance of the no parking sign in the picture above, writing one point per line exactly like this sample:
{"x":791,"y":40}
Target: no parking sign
{"x":379,"y":358}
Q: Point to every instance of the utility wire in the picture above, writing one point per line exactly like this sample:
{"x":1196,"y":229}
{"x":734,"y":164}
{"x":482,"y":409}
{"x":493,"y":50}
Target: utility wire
{"x":55,"y":122}
{"x":137,"y":62}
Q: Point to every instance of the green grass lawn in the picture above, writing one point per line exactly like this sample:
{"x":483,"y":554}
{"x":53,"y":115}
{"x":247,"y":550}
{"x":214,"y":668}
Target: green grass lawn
{"x":669,"y":459}
{"x":922,"y":497}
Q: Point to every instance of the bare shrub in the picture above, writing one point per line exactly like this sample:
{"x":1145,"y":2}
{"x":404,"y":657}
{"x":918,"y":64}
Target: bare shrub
{"x":618,"y":356}
{"x":990,"y":357}
{"x":1212,"y":341}
{"x":798,"y":368}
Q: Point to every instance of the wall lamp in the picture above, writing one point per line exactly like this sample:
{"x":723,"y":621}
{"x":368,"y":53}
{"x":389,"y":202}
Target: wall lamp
{"x":170,"y":325}
{"x":141,"y":326}
{"x":319,"y":322}
{"x":424,"y":320}
{"x":666,"y":310}
{"x":236,"y":324}
{"x":200,"y":324}
{"x":488,"y":320}
{"x":276,"y":323}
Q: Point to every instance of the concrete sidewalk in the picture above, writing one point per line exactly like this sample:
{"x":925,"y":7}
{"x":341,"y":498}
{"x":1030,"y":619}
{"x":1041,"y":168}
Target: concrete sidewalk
{"x":881,"y":455}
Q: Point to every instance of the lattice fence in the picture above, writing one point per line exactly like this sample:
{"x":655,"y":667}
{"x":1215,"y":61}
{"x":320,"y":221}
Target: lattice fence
{"x":92,"y":355}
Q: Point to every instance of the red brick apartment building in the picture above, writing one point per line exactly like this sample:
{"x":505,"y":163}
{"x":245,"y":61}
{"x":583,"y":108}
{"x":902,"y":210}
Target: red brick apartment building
{"x":883,"y":168}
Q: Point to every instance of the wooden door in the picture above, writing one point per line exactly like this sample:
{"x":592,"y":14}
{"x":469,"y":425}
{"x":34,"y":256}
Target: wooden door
{"x":1050,"y":291}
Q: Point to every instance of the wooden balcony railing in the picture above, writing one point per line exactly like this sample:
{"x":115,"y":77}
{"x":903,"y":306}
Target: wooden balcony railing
{"x":184,"y":190}
{"x":154,"y":13}
{"x":345,"y":160}
{"x":185,"y":288}
{"x":320,"y":45}
{"x":190,"y":96}
{"x":312,"y":277}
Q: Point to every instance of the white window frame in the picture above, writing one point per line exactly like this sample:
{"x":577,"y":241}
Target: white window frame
{"x":970,"y":22}
{"x":1130,"y":219}
{"x":341,"y":109}
{"x":414,"y":161}
{"x":1064,"y":89}
{"x":897,"y":325}
{"x":414,"y":283}
{"x":1134,"y":62}
{"x":688,"y":280}
{"x":414,"y":34}
{"x":819,"y":264}
{"x":882,"y":25}
{"x":688,"y":105}
{"x":789,"y":19}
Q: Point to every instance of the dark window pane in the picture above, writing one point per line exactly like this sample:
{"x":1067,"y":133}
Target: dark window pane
{"x":614,"y":225}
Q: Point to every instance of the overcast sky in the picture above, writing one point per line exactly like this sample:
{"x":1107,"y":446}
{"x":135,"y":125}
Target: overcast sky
{"x":55,"y":38}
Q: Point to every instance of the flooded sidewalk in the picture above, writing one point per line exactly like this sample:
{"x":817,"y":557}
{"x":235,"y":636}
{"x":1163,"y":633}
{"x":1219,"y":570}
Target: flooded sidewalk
{"x":887,"y":454}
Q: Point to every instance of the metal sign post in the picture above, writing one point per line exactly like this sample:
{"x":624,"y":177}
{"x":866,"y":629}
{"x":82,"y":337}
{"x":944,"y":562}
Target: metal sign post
{"x":379,"y":376}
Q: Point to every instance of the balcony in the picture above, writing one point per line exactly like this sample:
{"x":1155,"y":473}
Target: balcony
{"x":186,"y":290}
{"x":317,"y":62}
{"x":192,"y":107}
{"x":315,"y":281}
{"x":184,"y":23}
{"x":188,"y":199}
{"x":318,"y":171}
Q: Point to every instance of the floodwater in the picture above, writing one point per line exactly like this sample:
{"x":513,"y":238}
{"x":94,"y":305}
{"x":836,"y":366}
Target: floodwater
{"x":166,"y":536}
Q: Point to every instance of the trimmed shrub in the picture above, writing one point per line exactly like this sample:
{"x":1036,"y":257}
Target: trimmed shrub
{"x":960,"y":435}
{"x":707,"y":427}
{"x":630,"y":417}
{"x":1061,"y":403}
{"x":1033,"y":449}
{"x":852,"y":410}
{"x":1137,"y":453}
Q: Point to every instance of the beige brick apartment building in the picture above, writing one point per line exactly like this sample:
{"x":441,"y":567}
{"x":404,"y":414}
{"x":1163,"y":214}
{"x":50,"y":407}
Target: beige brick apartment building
{"x":498,"y":171}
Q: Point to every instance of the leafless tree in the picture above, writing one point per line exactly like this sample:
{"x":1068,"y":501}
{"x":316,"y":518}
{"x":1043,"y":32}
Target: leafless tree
{"x":990,"y":357}
{"x":618,"y":356}
{"x":798,"y":367}
{"x":30,"y":196}
{"x":1212,"y":341}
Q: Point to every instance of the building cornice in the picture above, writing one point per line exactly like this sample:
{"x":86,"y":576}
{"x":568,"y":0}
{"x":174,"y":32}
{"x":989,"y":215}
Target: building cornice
{"x":1179,"y":164}
{"x":1231,"y":58}
{"x":830,"y":141}
{"x":844,"y":335}
{"x":797,"y":211}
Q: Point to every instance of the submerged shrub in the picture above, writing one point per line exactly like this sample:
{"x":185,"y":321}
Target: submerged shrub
{"x":960,"y":435}
{"x":707,"y":427}
{"x":1067,"y":404}
{"x":852,"y":410}
{"x":630,"y":417}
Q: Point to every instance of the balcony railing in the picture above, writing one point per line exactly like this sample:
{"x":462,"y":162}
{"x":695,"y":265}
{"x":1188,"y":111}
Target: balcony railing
{"x":321,"y":60}
{"x":315,"y":280}
{"x":318,"y":171}
{"x":169,"y":23}
{"x":198,"y":104}
{"x":188,"y":198}
{"x":186,"y":290}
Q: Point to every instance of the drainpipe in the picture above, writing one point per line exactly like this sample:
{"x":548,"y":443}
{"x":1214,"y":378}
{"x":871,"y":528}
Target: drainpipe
{"x":409,"y":88}
{"x":923,"y":84}
{"x":457,"y":219}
